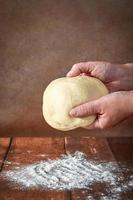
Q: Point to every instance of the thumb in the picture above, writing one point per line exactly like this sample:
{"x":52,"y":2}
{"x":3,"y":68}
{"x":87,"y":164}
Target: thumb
{"x":79,"y":68}
{"x":85,"y":109}
{"x":94,"y":125}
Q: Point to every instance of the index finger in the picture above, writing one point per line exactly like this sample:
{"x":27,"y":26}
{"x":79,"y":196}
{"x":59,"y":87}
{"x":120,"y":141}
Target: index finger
{"x":83,"y":67}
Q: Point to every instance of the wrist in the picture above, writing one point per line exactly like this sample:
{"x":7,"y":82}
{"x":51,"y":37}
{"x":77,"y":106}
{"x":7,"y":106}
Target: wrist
{"x":125,"y":103}
{"x":125,"y":76}
{"x":128,"y":66}
{"x":128,"y":103}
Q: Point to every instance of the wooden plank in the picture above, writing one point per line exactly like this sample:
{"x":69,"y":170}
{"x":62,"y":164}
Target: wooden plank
{"x":122,"y":148}
{"x":96,"y":149}
{"x":32,"y":195}
{"x":29,"y":151}
{"x":4,"y":142}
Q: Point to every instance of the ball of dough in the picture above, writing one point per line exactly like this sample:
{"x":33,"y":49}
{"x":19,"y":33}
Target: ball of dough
{"x":62,"y":94}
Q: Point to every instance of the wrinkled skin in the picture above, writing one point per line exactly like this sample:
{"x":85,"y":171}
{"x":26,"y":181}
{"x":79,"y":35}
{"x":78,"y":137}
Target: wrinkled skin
{"x":114,"y":107}
{"x":115,"y":76}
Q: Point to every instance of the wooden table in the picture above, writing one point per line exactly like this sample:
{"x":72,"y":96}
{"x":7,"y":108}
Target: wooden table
{"x":28,"y":151}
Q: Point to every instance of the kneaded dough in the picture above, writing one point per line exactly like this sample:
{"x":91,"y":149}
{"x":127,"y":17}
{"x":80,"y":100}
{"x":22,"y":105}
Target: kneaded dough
{"x":62,"y":94}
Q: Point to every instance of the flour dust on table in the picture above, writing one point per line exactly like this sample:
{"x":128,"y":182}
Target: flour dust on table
{"x":71,"y":172}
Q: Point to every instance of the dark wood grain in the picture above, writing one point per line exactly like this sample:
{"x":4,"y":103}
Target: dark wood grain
{"x":4,"y":143}
{"x":122,"y":149}
{"x":28,"y":151}
{"x":95,"y":149}
{"x":99,"y":150}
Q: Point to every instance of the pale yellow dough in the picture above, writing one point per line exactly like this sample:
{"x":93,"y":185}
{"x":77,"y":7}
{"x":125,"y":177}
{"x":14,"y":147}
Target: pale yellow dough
{"x":62,"y":94}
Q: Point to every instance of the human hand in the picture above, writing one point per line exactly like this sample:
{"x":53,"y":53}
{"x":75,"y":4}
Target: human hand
{"x":110,"y":109}
{"x":115,"y":76}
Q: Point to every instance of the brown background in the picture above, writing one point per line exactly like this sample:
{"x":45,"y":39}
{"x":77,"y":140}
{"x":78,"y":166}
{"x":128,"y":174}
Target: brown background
{"x":41,"y":40}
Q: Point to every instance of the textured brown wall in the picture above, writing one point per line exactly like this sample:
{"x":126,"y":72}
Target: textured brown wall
{"x":40,"y":40}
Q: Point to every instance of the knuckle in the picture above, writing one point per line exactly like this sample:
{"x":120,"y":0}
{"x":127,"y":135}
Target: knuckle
{"x":91,"y":108}
{"x":83,"y":108}
{"x":75,"y":66}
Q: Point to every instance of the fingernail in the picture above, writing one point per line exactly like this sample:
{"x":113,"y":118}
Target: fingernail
{"x":73,"y":113}
{"x":69,"y":74}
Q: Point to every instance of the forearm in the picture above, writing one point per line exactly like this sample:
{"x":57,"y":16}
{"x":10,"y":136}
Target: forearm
{"x":126,"y":77}
{"x":130,"y":103}
{"x":129,"y":65}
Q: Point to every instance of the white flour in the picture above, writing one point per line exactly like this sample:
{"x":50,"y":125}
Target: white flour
{"x":72,"y":172}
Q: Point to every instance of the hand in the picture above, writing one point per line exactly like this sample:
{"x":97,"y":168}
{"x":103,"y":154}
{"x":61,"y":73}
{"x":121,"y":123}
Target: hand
{"x":110,"y":109}
{"x":115,"y":76}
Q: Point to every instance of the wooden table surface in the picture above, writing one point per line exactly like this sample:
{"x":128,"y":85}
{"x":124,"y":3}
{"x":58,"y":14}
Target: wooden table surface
{"x":29,"y":150}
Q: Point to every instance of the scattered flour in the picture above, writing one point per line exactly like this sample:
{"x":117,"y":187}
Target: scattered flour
{"x":72,"y":172}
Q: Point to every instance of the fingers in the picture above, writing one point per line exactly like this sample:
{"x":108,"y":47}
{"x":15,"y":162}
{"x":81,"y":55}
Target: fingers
{"x":89,"y":108}
{"x":83,"y":67}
